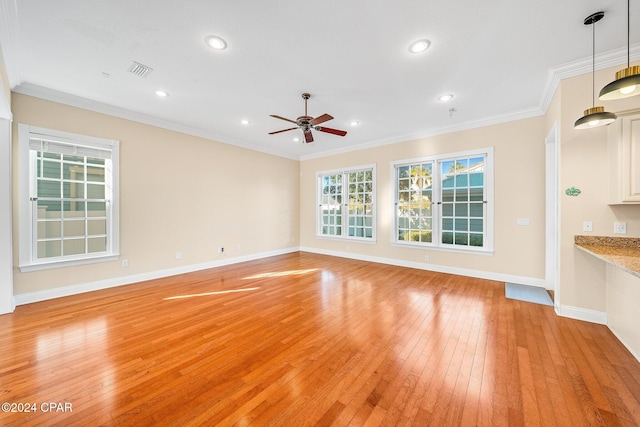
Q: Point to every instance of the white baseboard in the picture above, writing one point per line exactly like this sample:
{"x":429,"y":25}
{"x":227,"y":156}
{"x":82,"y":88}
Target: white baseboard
{"x":523,"y":280}
{"x":584,"y":314}
{"x":48,"y":294}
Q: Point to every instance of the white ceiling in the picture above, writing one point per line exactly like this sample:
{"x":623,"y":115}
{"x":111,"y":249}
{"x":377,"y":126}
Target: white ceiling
{"x":501,"y":59}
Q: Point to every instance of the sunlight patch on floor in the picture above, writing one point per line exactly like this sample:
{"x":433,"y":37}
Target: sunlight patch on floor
{"x":205,"y":294}
{"x":281,"y":273}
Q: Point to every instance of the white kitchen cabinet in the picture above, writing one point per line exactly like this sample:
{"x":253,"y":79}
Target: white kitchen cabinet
{"x":623,"y":141}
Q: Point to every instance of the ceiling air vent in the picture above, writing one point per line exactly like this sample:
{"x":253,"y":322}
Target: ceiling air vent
{"x":139,"y":69}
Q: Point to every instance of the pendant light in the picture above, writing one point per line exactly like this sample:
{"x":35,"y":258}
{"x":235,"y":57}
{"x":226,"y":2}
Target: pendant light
{"x":594,"y":116}
{"x":627,"y":82}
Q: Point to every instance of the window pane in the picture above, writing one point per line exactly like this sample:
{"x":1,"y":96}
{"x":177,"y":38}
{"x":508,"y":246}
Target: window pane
{"x":96,"y":227}
{"x":447,"y":209}
{"x":49,"y":229}
{"x":48,"y":249}
{"x":73,"y":190}
{"x":447,"y":223}
{"x":95,"y":191}
{"x":447,"y":195}
{"x":462,"y":181}
{"x":476,"y":210}
{"x":95,"y":209}
{"x":461,"y":239}
{"x":49,"y":209}
{"x":73,"y":228}
{"x":97,"y":244}
{"x":49,"y":188}
{"x":95,"y":174}
{"x":476,"y":225}
{"x":462,"y":209}
{"x":73,"y":247}
{"x":50,"y":169}
{"x":477,"y":195}
{"x":447,"y":238}
{"x":461,"y":224}
{"x":475,"y":240}
{"x":462,"y":195}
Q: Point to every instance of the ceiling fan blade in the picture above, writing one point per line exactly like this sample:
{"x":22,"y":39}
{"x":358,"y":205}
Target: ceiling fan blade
{"x":283,"y":130}
{"x":333,"y":131}
{"x":282,"y":118}
{"x":308,"y":137}
{"x":321,"y":119}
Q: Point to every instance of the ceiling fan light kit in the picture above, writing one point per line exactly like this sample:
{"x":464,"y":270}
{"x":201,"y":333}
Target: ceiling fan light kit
{"x":307,"y":123}
{"x":627,"y":82}
{"x":594,"y":116}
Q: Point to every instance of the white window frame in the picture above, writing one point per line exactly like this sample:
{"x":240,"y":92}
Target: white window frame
{"x":28,"y":260}
{"x":345,"y":203}
{"x":436,"y":243}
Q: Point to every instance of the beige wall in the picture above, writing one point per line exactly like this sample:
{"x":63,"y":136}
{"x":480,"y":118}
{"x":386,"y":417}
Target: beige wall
{"x":178,"y":193}
{"x":519,"y":151}
{"x":584,"y":165}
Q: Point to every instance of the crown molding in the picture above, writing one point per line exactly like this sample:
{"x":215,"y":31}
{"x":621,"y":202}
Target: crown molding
{"x":99,"y":107}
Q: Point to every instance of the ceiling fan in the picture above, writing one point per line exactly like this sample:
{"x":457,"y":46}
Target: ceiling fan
{"x":308,"y":123}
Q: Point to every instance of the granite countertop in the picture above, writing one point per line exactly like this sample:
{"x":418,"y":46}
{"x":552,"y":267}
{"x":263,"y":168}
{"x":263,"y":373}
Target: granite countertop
{"x":623,"y":252}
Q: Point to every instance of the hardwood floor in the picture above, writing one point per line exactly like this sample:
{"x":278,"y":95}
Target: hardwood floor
{"x":305,"y":339}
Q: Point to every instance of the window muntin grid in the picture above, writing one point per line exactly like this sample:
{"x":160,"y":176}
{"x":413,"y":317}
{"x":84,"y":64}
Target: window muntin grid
{"x":346,"y":204}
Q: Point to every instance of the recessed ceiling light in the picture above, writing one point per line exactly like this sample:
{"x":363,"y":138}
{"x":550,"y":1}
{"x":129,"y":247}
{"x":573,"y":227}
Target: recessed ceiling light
{"x":446,"y":97}
{"x":245,"y":122}
{"x":354,"y":123}
{"x":215,"y":42}
{"x":296,"y":139}
{"x":419,"y":46}
{"x":162,"y":93}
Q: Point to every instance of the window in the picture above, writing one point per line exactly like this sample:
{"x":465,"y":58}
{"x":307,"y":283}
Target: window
{"x":445,"y":201}
{"x":68,"y":199}
{"x":346,"y":205}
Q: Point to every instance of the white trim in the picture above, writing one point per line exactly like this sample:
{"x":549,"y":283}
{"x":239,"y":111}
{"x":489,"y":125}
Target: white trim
{"x":7,"y":304}
{"x":593,"y":316}
{"x":99,"y":107}
{"x":552,"y":204}
{"x":48,"y":265}
{"x":489,"y":275}
{"x":31,"y":297}
{"x":345,"y":192}
{"x":435,"y":160}
{"x":27,"y":258}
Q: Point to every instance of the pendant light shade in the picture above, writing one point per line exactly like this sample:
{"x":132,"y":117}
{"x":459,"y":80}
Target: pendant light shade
{"x":594,"y":116}
{"x":627,"y":82}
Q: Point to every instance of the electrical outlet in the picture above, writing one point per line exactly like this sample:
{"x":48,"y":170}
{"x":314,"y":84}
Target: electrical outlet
{"x":620,"y":228}
{"x":178,"y":255}
{"x":220,"y":250}
{"x":426,"y":258}
{"x":125,"y":263}
{"x":587,"y":226}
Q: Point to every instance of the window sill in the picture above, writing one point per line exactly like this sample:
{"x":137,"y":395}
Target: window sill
{"x":484,"y":252}
{"x":348,"y":239}
{"x":25,"y":268}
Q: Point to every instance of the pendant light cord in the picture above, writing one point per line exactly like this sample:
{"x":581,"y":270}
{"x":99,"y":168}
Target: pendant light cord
{"x":628,"y":36}
{"x":593,"y":66}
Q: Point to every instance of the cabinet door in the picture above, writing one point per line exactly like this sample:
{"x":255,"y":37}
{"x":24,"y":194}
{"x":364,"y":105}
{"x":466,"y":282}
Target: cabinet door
{"x":631,"y":158}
